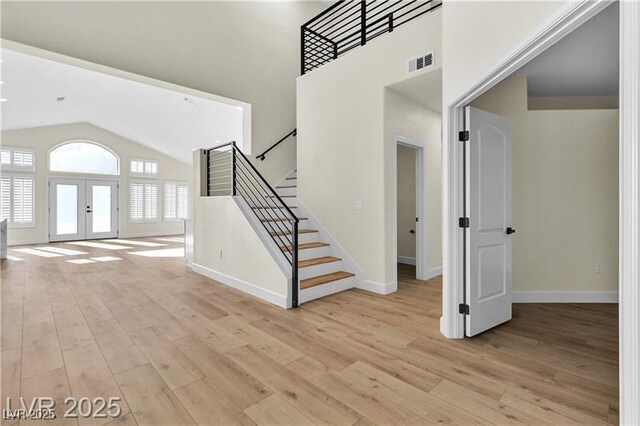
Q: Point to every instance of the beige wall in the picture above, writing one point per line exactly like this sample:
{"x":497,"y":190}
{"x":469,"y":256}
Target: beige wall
{"x":220,"y":227}
{"x":476,"y":34}
{"x":42,"y":139}
{"x":405,"y":118}
{"x":343,"y":151}
{"x":406,"y":202}
{"x":565,"y":192}
{"x":242,"y":50}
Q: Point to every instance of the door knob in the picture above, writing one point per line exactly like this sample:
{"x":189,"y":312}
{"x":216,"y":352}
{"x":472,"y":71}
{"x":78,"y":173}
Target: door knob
{"x":510,"y":231}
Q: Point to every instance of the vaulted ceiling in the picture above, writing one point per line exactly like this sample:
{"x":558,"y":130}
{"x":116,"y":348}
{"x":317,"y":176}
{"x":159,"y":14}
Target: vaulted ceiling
{"x":42,"y":92}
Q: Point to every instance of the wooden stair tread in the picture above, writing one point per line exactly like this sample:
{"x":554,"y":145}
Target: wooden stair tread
{"x":300,"y":231}
{"x":305,"y":246}
{"x":286,"y":186}
{"x":282,"y":219}
{"x":282,"y":196}
{"x":324,"y":279}
{"x":291,"y":178}
{"x":317,"y":261}
{"x":274,"y":208}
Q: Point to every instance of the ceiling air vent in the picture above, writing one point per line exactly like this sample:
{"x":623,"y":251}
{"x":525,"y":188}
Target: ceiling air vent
{"x":421,"y":62}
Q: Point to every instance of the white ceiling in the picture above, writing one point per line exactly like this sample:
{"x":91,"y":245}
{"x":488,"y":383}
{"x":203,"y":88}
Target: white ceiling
{"x":167,"y":121}
{"x":584,"y":63}
{"x":424,"y":89}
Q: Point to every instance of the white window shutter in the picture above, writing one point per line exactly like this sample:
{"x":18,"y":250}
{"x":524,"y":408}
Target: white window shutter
{"x":22,"y":200}
{"x":150,"y":201}
{"x":137,"y":201}
{"x":170,"y":194}
{"x":183,"y":201}
{"x":5,"y":198}
{"x":5,"y":156}
{"x":23,"y":159}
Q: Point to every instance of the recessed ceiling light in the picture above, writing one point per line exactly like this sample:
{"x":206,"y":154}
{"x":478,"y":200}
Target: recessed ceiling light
{"x":4,"y":100}
{"x":61,"y":98}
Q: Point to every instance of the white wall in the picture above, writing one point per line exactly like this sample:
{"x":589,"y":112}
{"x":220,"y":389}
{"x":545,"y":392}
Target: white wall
{"x":406,"y":203}
{"x":42,"y":139}
{"x":343,"y":151}
{"x":227,"y":248}
{"x":405,"y":118}
{"x":478,"y":33}
{"x":565,"y":192}
{"x":242,"y":50}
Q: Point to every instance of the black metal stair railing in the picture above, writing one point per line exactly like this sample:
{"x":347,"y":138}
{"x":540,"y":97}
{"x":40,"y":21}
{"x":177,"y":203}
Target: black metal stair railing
{"x":293,"y":133}
{"x":348,"y":24}
{"x":230,"y":172}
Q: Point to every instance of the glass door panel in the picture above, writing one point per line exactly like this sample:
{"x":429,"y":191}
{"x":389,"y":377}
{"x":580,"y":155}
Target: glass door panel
{"x":66,"y":213}
{"x":101,"y":209}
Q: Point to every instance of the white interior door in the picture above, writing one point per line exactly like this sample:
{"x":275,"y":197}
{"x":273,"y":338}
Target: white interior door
{"x":66,"y":209}
{"x":101,"y":209}
{"x":488,"y":206}
{"x":82,"y":209}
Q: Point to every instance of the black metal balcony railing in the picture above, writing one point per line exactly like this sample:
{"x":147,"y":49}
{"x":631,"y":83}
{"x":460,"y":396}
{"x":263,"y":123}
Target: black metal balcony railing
{"x":230,"y":172}
{"x":348,"y":24}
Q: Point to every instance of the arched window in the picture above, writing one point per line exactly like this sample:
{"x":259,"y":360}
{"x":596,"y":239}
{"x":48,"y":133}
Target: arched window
{"x":83,"y":157}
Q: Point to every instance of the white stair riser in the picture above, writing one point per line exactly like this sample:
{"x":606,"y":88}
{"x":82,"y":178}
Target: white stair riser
{"x":286,"y":191}
{"x":322,"y":269}
{"x":291,"y":202}
{"x":326,"y":289}
{"x":302,"y":238}
{"x":308,"y":238}
{"x":285,"y":224}
{"x":313,"y":253}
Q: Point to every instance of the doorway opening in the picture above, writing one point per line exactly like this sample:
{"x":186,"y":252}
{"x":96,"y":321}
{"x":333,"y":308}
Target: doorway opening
{"x":82,"y":209}
{"x":409,"y":199}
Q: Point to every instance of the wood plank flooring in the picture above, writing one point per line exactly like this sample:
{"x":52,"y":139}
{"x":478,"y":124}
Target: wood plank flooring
{"x":179,"y":348}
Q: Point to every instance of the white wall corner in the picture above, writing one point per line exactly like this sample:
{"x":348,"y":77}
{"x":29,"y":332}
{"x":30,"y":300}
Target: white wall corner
{"x":433,"y":272}
{"x":283,"y":301}
{"x":565,"y":297}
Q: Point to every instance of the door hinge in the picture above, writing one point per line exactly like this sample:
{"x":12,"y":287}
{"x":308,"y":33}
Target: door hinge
{"x":463,"y":309}
{"x":463,"y":222}
{"x":463,"y":135}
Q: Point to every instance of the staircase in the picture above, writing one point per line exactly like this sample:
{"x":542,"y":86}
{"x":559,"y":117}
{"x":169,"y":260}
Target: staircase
{"x":316,"y":269}
{"x":320,"y":271}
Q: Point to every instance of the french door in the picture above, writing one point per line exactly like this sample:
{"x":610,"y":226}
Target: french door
{"x":82,"y":209}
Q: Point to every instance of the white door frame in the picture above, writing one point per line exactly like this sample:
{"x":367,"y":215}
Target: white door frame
{"x":421,"y":229}
{"x":568,"y":18}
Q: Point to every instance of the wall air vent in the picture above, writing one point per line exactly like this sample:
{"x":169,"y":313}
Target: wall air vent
{"x":421,"y":62}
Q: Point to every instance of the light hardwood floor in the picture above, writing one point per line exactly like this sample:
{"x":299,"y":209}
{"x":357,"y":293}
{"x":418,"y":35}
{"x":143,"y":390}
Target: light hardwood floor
{"x":179,"y":348}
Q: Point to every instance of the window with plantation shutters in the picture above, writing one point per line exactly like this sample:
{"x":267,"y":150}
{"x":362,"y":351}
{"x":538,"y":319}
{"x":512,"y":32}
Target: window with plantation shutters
{"x":16,"y":200}
{"x":143,"y":202}
{"x":18,"y":159}
{"x":176,"y":200}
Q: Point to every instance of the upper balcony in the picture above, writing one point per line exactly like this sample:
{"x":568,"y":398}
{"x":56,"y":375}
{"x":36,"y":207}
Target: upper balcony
{"x":348,"y":24}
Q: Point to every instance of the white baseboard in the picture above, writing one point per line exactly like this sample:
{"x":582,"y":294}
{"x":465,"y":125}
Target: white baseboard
{"x":405,"y":260}
{"x":24,"y":242}
{"x":565,"y":297}
{"x":434,"y":272}
{"x":260,"y":293}
{"x":150,"y":234}
{"x":375,"y":287}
